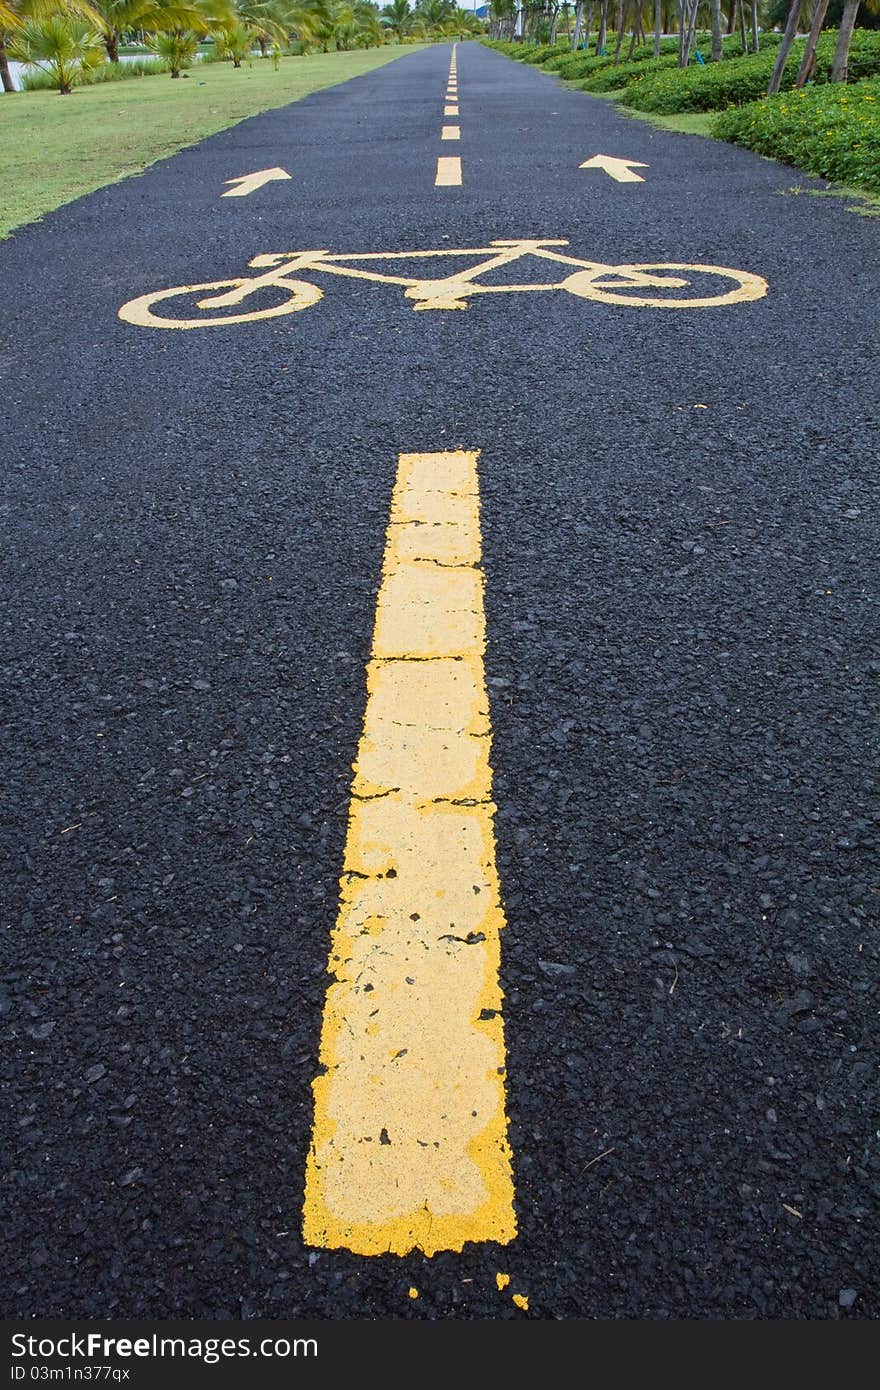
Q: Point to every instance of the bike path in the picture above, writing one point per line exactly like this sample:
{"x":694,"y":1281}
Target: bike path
{"x":679,"y":610}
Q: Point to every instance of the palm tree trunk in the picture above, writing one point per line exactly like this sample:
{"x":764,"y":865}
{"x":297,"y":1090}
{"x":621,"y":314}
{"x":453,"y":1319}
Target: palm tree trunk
{"x":603,"y":28}
{"x":588,"y":25}
{"x":743,"y":37}
{"x":618,"y":24}
{"x":658,"y":26}
{"x":841,"y":53}
{"x":809,"y":59}
{"x":111,"y":43}
{"x":756,"y":42}
{"x":689,"y":26}
{"x":578,"y":21}
{"x":788,"y":37}
{"x":5,"y":74}
{"x":717,"y":41}
{"x":692,"y":29}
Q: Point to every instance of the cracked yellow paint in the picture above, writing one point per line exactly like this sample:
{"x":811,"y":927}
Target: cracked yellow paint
{"x":409,"y":1147}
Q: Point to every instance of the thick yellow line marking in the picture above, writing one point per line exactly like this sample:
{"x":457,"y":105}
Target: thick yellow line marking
{"x":409,"y":1148}
{"x":450,"y":132}
{"x":450,"y":111}
{"x":448,"y":171}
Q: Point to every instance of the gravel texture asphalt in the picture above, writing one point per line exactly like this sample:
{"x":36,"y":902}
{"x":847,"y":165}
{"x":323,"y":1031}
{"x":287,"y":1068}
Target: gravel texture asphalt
{"x":681,"y":556}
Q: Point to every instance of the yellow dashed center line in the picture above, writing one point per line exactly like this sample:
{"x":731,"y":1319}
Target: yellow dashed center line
{"x":448,"y":171}
{"x":409,"y":1147}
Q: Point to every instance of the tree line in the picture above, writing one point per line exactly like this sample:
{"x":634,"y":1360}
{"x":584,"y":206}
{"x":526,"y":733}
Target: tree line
{"x":73,"y":35}
{"x":546,"y":21}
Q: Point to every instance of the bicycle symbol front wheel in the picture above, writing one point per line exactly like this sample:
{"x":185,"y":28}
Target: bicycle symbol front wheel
{"x":630,"y":283}
{"x":298,"y":294}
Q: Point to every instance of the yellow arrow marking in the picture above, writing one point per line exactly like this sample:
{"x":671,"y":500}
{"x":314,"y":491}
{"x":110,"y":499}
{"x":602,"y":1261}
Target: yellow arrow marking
{"x":451,"y":132}
{"x":249,"y":183}
{"x":621,"y":170}
{"x":409,"y":1147}
{"x":448,"y":171}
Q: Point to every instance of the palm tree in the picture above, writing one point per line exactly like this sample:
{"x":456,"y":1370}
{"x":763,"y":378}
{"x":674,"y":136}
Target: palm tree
{"x":235,"y":41}
{"x":67,"y":48}
{"x":343,"y":24}
{"x":269,"y":21}
{"x":398,"y":18}
{"x":176,"y":47}
{"x":117,"y":17}
{"x":15,"y":13}
{"x":175,"y":29}
{"x":434,"y":13}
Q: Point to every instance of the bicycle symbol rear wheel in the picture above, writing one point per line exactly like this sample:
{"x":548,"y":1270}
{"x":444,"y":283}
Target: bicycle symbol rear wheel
{"x":299,"y":295}
{"x":642,"y":286}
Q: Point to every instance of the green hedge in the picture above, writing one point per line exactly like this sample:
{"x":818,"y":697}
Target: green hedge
{"x":609,"y":78}
{"x":831,"y":131}
{"x":706,"y":88}
{"x":740,"y":80}
{"x":573,"y":65}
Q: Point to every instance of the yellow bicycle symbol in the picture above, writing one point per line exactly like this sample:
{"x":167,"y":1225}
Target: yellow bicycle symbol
{"x":608,"y":284}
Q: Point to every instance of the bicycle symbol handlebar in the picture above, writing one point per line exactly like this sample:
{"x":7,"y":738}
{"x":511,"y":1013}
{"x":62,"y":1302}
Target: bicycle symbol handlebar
{"x":640,"y":286}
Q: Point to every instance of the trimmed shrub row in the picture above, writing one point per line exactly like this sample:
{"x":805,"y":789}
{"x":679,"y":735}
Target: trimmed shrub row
{"x":744,"y":79}
{"x":832,"y":131}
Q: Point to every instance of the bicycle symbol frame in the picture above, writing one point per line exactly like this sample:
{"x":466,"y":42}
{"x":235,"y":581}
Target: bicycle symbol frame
{"x":629,"y":285}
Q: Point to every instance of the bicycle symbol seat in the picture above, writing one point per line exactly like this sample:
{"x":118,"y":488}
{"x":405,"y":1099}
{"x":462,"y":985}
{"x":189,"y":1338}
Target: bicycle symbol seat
{"x":660,"y":286}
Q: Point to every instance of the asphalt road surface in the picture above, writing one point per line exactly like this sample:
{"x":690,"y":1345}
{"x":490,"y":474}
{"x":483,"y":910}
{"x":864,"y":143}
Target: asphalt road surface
{"x":679,"y":546}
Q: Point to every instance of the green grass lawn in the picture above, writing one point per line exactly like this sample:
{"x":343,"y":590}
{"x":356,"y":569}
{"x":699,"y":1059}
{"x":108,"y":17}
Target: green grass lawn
{"x":54,"y":149}
{"x":688,"y":122}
